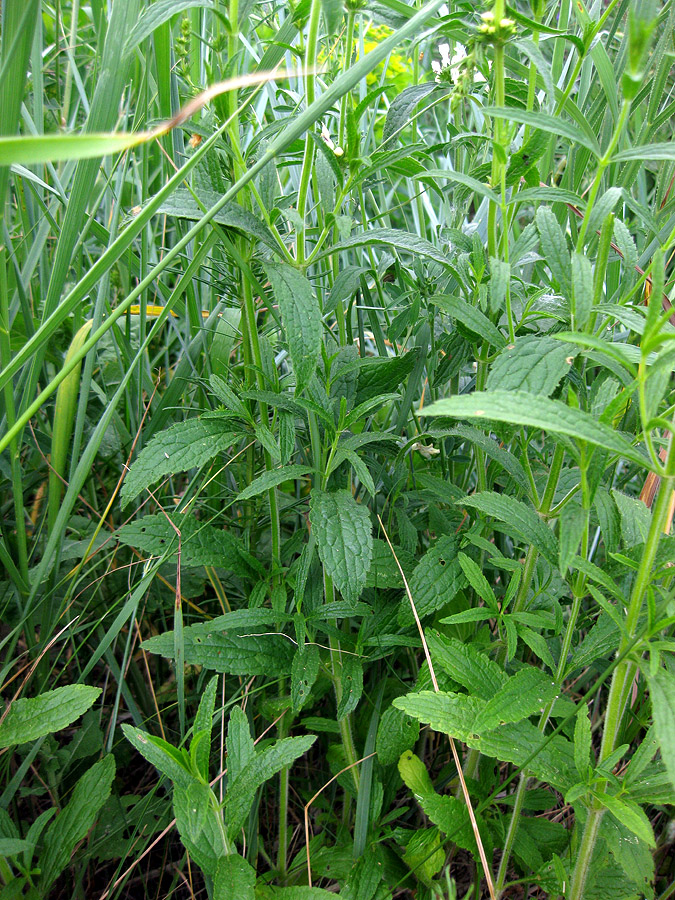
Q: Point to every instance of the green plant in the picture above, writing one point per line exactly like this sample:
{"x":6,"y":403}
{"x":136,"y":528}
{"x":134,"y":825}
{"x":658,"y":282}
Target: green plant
{"x":336,"y":445}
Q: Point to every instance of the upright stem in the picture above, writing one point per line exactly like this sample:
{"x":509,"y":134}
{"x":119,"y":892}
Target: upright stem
{"x":626,"y":670}
{"x":310,"y":93}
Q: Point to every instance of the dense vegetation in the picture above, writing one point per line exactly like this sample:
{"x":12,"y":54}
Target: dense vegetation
{"x":336,"y":449}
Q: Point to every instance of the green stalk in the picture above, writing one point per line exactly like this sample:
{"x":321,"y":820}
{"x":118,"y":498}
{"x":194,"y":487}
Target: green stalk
{"x":625,"y":672}
{"x":310,"y":94}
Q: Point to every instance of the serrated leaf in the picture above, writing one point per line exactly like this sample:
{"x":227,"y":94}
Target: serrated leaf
{"x":466,"y":665}
{"x":344,"y":539}
{"x":534,"y":364}
{"x":630,"y":815}
{"x":424,"y":854}
{"x":203,"y":724}
{"x":452,"y":817}
{"x":166,"y":758}
{"x":182,"y":205}
{"x":75,"y":820}
{"x":505,"y":459}
{"x":379,"y":375}
{"x":201,"y":545}
{"x":521,"y":408}
{"x":435,"y":581}
{"x":398,"y":114}
{"x":186,"y":445}
{"x":396,"y":733}
{"x":582,"y":290}
{"x":304,"y":671}
{"x":552,"y":124}
{"x":301,"y":318}
{"x":525,"y":693}
{"x":662,"y":692}
{"x":34,"y":717}
{"x":351,"y":685}
{"x":256,"y":772}
{"x":582,"y":744}
{"x":514,"y":516}
{"x":232,"y":652}
{"x":197,"y":795}
{"x":635,"y":516}
{"x":472,"y":318}
{"x":414,"y":774}
{"x":235,"y":877}
{"x":554,"y":248}
{"x":239,"y":743}
{"x":390,"y":237}
{"x":478,"y":581}
{"x":572,"y":524}
{"x":271,"y":479}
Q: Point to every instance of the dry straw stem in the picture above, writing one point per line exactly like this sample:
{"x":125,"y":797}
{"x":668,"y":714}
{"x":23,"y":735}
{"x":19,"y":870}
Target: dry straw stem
{"x":455,"y":754}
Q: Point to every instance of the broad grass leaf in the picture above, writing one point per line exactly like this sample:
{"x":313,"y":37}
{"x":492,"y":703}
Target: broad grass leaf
{"x":466,"y":665}
{"x":521,"y":408}
{"x":304,"y":671}
{"x":301,"y":318}
{"x":344,"y":539}
{"x":259,"y":769}
{"x":435,"y":581}
{"x":662,"y":692}
{"x":472,"y":318}
{"x":30,"y":718}
{"x":515,"y":517}
{"x":159,"y":13}
{"x":74,"y":821}
{"x":231,"y":652}
{"x":235,"y":877}
{"x":398,"y":114}
{"x":273,"y":478}
{"x":183,"y":446}
{"x":534,"y":364}
{"x":396,"y":733}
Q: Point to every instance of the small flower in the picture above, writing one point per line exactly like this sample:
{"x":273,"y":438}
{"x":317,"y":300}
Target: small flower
{"x":325,"y":137}
{"x":488,"y":16}
{"x":506,"y":23}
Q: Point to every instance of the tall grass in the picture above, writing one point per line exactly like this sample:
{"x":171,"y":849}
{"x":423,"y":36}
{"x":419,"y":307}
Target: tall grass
{"x":336,"y":409}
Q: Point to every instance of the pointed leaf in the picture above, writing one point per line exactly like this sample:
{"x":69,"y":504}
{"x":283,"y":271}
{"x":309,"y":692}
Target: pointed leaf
{"x":32,"y":718}
{"x":344,"y":539}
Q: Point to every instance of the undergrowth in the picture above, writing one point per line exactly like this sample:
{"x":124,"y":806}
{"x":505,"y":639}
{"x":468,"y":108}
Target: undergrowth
{"x":336,"y":444}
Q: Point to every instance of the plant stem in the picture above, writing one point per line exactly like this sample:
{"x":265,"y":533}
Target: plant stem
{"x":310,"y":93}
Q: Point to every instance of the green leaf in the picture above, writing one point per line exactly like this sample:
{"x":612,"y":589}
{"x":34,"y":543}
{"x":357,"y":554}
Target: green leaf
{"x":662,"y":692}
{"x":521,"y":408}
{"x":232,"y":652}
{"x":203,"y":724}
{"x":553,"y":124}
{"x":466,"y":665}
{"x":182,"y":205}
{"x":186,"y":445}
{"x":435,"y":581}
{"x":535,"y":364}
{"x":159,"y":13}
{"x":396,"y":733}
{"x":271,"y":479}
{"x":166,"y":758}
{"x":452,"y":817}
{"x":631,"y":815}
{"x":572,"y":524}
{"x":582,"y":290}
{"x":201,"y":545}
{"x":478,"y":581}
{"x":514,"y":516}
{"x":472,"y":318}
{"x":635,"y":519}
{"x":402,"y":241}
{"x":32,"y":718}
{"x":424,"y":854}
{"x":554,"y":248}
{"x":490,"y":446}
{"x":333,"y":11}
{"x":239,"y":743}
{"x":75,"y":820}
{"x":379,"y":375}
{"x":197,"y":797}
{"x":351,"y":685}
{"x":582,"y":744}
{"x":304,"y":671}
{"x":414,"y":774}
{"x":256,"y":772}
{"x":400,"y":108}
{"x":234,"y":878}
{"x":344,"y":539}
{"x":525,"y":693}
{"x":646,"y":152}
{"x":301,"y":318}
